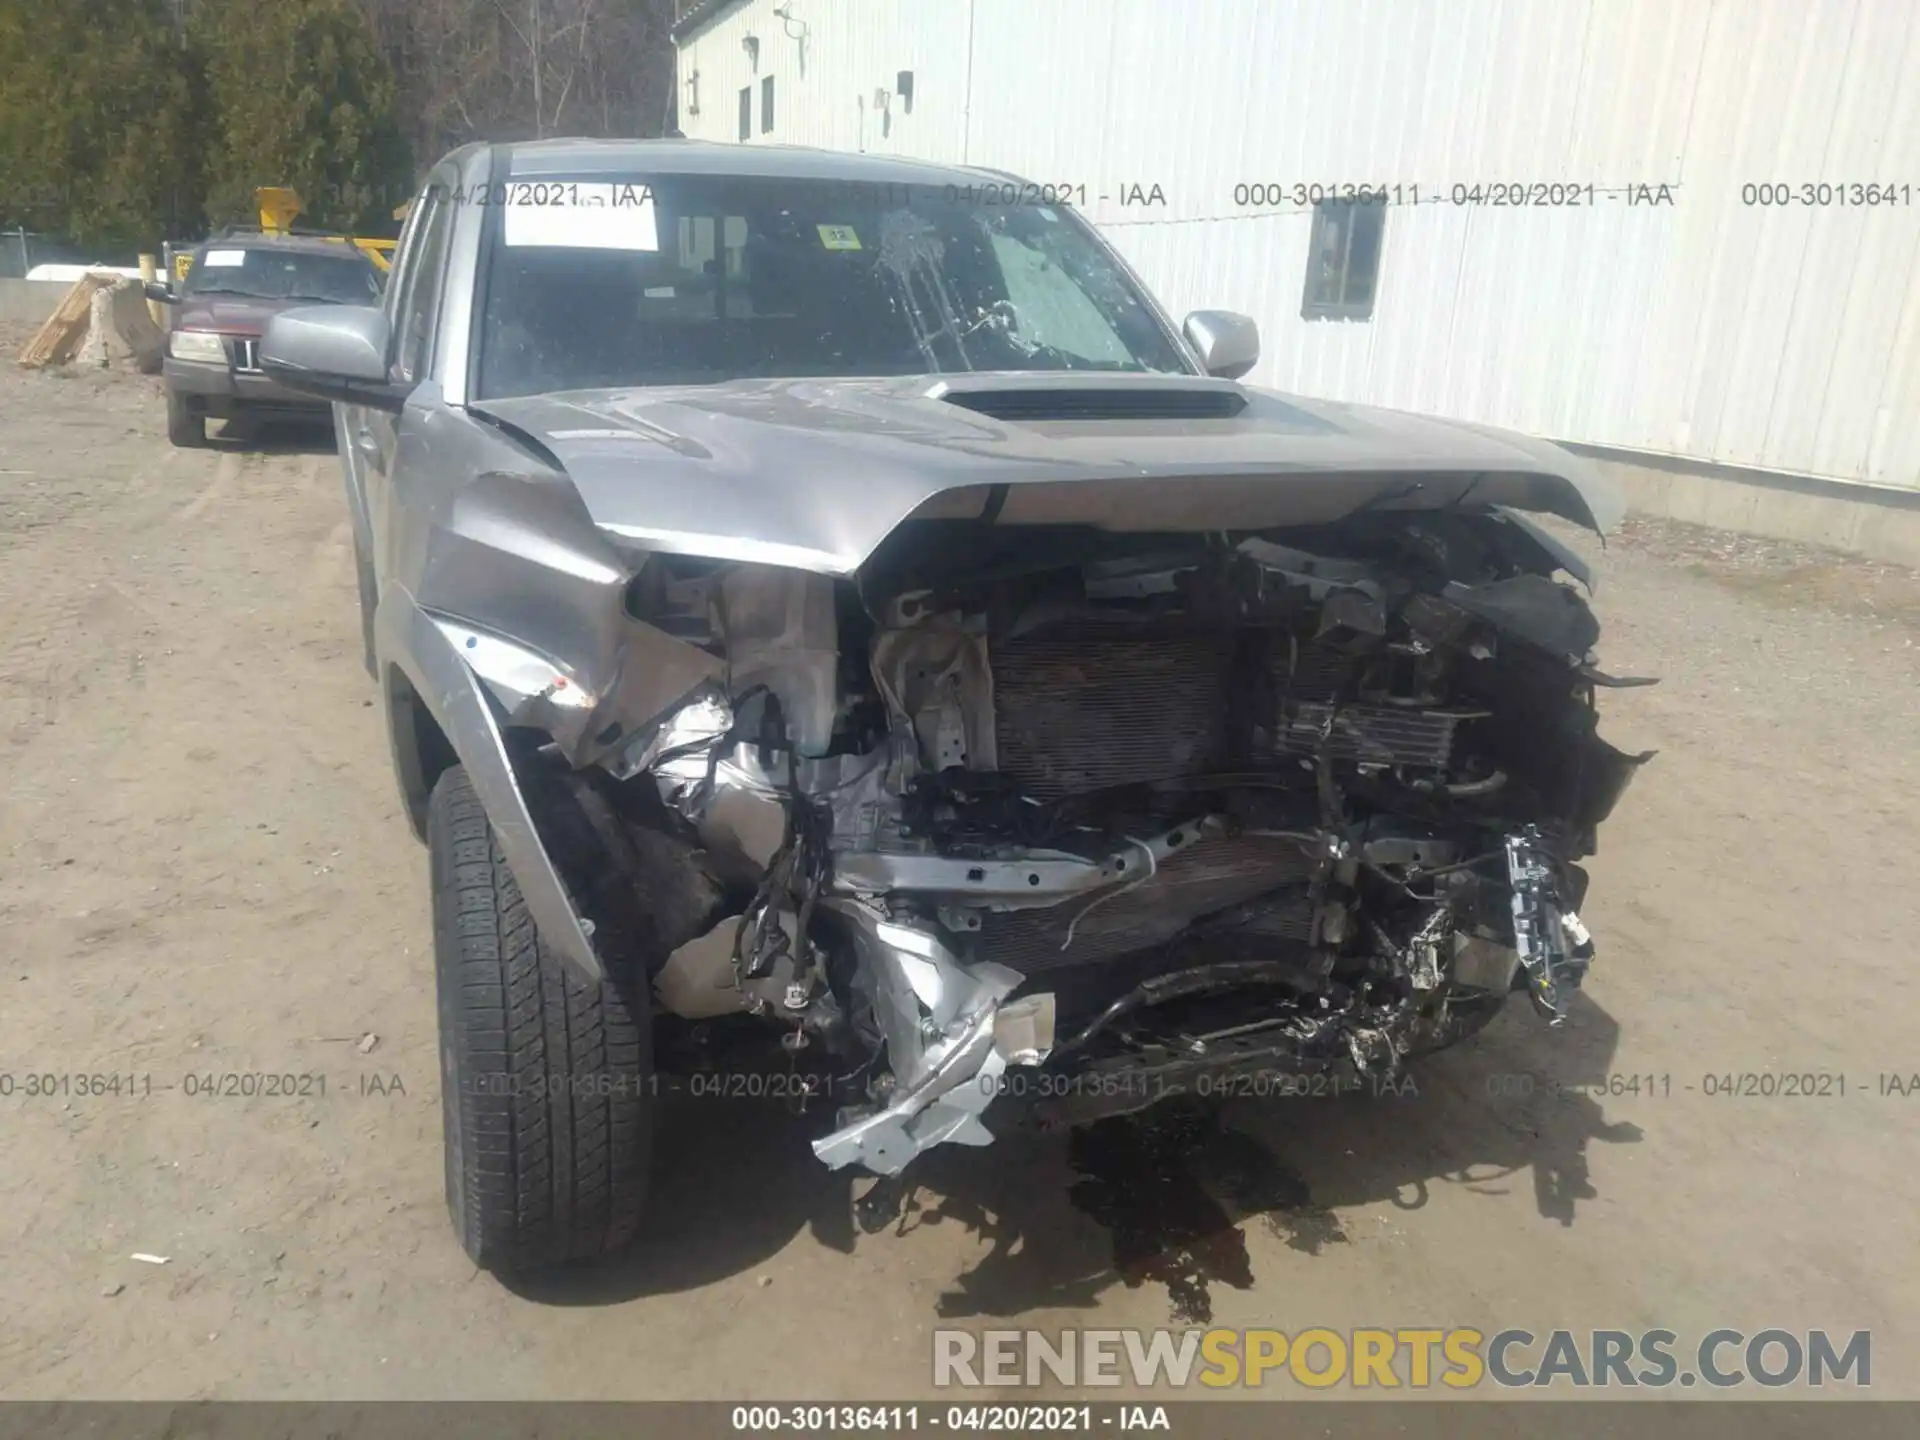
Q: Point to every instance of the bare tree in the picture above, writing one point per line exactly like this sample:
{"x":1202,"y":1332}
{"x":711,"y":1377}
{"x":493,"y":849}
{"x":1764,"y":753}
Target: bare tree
{"x":526,"y":69}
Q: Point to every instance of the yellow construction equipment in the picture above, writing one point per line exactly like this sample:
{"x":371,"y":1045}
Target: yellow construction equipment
{"x":278,"y":207}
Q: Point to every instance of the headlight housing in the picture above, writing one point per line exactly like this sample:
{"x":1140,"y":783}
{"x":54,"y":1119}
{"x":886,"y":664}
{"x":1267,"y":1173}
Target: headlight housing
{"x":196,"y":345}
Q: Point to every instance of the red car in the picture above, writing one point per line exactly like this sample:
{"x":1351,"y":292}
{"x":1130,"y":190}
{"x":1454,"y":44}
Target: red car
{"x":235,"y":285}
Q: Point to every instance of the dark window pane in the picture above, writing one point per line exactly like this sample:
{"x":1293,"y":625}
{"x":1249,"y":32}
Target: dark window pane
{"x":1363,"y":256}
{"x":1326,"y":254}
{"x":347,"y":278}
{"x":415,"y":342}
{"x":746,"y":112}
{"x":1343,"y":260}
{"x":766,"y":106}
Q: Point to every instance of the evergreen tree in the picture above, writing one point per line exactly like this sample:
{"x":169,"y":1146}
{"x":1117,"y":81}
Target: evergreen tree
{"x":100,"y":107}
{"x":127,"y":122}
{"x":300,"y":96}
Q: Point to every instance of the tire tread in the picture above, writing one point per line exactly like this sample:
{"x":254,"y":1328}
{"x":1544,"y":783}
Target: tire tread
{"x":552,"y":1148}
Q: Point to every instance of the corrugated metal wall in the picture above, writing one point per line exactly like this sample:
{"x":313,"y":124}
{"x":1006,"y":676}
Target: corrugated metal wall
{"x":826,"y":63}
{"x":1785,"y":338}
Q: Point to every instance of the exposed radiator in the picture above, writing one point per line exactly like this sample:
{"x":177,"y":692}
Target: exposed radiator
{"x":1306,"y":677}
{"x":1214,"y":873}
{"x":1370,"y":734}
{"x":1084,"y":709}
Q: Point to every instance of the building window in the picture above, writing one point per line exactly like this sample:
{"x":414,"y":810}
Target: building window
{"x":1343,"y":260}
{"x":746,"y":112}
{"x":766,"y":106}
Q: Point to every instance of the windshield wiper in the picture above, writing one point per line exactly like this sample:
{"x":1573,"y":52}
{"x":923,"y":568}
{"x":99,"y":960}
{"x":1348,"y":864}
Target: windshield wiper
{"x":227,"y":290}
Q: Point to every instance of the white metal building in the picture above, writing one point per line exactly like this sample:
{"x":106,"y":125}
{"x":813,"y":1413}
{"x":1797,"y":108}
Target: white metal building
{"x":1739,"y":282}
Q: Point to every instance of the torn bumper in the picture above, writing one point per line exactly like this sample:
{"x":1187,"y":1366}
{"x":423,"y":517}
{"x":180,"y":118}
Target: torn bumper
{"x":950,"y":1036}
{"x":221,"y":392}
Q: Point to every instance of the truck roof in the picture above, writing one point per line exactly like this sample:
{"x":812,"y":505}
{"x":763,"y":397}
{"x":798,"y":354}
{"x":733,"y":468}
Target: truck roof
{"x":707,"y":157}
{"x":265,"y":240}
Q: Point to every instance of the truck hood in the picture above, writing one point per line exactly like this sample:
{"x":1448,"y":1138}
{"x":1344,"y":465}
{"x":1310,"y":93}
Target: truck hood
{"x":815,"y":474}
{"x":229,"y":314}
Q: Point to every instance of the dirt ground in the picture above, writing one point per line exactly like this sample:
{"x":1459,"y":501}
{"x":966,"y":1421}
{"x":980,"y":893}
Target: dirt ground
{"x":203,"y":870}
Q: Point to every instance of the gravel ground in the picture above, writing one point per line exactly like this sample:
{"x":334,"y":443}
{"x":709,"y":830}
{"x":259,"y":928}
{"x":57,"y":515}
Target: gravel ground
{"x":205,"y":871}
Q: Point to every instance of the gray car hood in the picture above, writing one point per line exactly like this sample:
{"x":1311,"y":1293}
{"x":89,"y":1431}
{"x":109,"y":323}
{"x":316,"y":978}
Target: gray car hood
{"x":816,"y":473}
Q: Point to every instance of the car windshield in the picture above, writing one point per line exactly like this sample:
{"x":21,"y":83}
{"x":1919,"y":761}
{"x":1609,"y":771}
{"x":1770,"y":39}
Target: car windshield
{"x":347,"y":279}
{"x":694,"y":279}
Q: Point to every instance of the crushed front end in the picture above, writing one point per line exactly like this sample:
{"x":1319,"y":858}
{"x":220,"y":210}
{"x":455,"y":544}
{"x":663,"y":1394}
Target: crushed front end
{"x":1134,"y":810}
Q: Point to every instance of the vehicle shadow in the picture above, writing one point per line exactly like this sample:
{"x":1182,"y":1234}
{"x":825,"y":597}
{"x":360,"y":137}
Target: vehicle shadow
{"x":733,"y":1182}
{"x":1174,"y":1192}
{"x":275,"y":437}
{"x":1161,"y":1199}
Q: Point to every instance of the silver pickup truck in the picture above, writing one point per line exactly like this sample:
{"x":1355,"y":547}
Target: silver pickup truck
{"x":827,"y":611}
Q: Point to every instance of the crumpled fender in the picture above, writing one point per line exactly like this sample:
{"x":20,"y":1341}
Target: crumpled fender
{"x":456,"y":698}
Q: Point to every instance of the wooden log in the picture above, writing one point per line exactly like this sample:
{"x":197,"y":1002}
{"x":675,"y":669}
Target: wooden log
{"x":55,"y":342}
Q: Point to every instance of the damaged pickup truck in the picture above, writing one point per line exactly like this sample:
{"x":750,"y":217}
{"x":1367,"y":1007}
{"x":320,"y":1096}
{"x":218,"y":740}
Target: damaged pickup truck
{"x":820,"y":609}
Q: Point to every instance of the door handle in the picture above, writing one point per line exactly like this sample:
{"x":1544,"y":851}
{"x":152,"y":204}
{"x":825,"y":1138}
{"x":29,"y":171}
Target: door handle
{"x":364,"y":442}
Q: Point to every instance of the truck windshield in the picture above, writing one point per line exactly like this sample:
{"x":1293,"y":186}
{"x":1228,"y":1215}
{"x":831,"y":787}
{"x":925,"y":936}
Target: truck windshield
{"x":346,"y":279}
{"x":692,"y":279}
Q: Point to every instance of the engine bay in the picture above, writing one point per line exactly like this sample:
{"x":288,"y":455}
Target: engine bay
{"x":1134,"y":806}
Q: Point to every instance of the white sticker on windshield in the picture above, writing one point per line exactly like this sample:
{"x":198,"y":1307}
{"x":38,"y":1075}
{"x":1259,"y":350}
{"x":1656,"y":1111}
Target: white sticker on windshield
{"x":579,"y":216}
{"x":224,"y":259}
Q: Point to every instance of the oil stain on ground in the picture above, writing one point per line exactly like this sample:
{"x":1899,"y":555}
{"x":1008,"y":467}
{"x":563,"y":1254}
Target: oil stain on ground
{"x":1172,"y":1186}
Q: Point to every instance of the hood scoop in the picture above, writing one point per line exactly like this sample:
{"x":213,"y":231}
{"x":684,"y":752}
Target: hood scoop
{"x":1099,"y":402}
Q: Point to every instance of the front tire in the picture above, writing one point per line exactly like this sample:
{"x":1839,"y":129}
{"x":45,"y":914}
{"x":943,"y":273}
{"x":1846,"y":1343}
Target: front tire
{"x":185,"y":428}
{"x":546,"y":1080}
